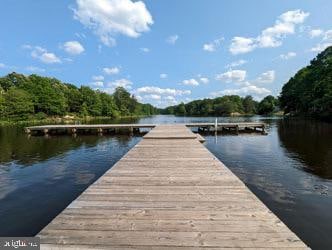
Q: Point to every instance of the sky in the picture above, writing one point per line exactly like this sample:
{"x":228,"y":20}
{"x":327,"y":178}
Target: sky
{"x":165,"y":51}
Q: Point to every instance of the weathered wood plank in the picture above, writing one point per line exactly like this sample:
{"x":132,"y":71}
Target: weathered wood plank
{"x":168,"y":192}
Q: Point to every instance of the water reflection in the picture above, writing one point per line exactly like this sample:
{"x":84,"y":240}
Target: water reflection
{"x":290,"y":170}
{"x":309,"y":142}
{"x":39,"y":177}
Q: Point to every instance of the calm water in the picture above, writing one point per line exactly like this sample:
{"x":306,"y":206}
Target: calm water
{"x":290,"y":170}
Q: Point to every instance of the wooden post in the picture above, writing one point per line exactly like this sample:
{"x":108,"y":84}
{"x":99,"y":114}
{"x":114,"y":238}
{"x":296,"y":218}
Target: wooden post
{"x":216,"y":126}
{"x":28,"y":131}
{"x":45,"y":130}
{"x":237,"y":129}
{"x":131,"y":131}
{"x":263,"y":130}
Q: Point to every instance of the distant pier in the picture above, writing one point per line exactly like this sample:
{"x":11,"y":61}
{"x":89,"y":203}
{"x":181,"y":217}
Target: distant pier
{"x":137,"y":128}
{"x":168,"y":192}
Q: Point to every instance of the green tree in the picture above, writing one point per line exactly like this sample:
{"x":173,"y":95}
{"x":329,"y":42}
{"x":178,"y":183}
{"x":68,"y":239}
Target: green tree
{"x":249,"y":105}
{"x":46,"y":93}
{"x":92,"y":101}
{"x":181,"y":109}
{"x":2,"y":103}
{"x":74,"y":98}
{"x":267,"y":105}
{"x":50,"y":96}
{"x":18,"y":103}
{"x":309,"y":92}
{"x":122,"y":100}
{"x":108,"y":105}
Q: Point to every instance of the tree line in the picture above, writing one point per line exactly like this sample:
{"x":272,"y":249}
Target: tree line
{"x":309,"y":92}
{"x":225,"y":105}
{"x":25,"y":97}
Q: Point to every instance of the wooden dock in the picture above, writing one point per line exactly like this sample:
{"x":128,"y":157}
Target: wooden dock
{"x":135,"y":128}
{"x":168,"y":192}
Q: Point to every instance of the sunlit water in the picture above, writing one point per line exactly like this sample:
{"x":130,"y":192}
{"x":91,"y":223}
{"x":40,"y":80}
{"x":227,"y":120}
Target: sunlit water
{"x":290,"y":170}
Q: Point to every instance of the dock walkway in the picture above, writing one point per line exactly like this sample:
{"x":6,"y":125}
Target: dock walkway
{"x":168,"y":192}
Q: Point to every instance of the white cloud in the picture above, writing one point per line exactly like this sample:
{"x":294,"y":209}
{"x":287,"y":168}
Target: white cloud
{"x":146,"y":50}
{"x":213,"y":46}
{"x":204,"y":80}
{"x":42,"y":54}
{"x":320,"y":47}
{"x":232,"y":76}
{"x":2,"y":65}
{"x":111,"y":71}
{"x":34,"y":69}
{"x":271,"y":36}
{"x":161,"y":91}
{"x":315,"y":33}
{"x":163,"y":76}
{"x":110,"y":17}
{"x":191,"y":82}
{"x":253,"y":90}
{"x":49,"y":58}
{"x":169,"y":98}
{"x":139,"y":98}
{"x":125,"y":83}
{"x":325,"y":42}
{"x":172,"y":39}
{"x":266,"y":77}
{"x":236,"y":63}
{"x":73,"y":47}
{"x":98,"y":78}
{"x":327,"y":36}
{"x":98,"y":84}
{"x":242,"y":45}
{"x":288,"y":55}
{"x":152,"y":96}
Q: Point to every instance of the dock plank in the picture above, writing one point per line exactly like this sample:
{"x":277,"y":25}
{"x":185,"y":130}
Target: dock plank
{"x":168,"y":192}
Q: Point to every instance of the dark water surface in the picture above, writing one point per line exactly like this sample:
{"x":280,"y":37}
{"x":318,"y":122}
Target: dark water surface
{"x":290,"y":170}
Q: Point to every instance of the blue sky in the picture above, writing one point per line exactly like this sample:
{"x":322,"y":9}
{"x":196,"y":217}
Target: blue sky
{"x":165,"y":52}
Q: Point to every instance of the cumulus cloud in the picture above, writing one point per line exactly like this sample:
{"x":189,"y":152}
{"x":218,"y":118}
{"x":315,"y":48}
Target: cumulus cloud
{"x":236,"y":63}
{"x":146,"y":50}
{"x":169,"y":98}
{"x":191,"y":82}
{"x":232,"y":76}
{"x":288,"y":55}
{"x":247,"y":90}
{"x":98,"y":84}
{"x":266,"y":77}
{"x":111,"y":70}
{"x":98,"y":78}
{"x":73,"y":47}
{"x":213,"y":46}
{"x":241,"y":45}
{"x":163,"y":76}
{"x":324,"y":43}
{"x":2,"y":65}
{"x":315,"y":33}
{"x":33,"y":69}
{"x":107,"y":18}
{"x":204,"y":80}
{"x":152,"y":96}
{"x":42,"y":54}
{"x":162,"y":91}
{"x":125,"y":83}
{"x":172,"y":39}
{"x":271,"y":36}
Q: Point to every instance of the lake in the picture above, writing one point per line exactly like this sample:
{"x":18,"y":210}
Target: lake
{"x":290,"y":170}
